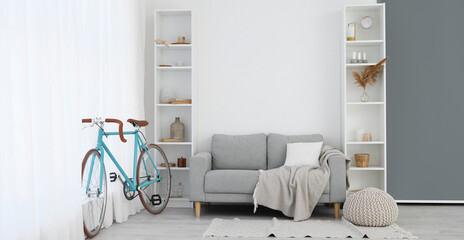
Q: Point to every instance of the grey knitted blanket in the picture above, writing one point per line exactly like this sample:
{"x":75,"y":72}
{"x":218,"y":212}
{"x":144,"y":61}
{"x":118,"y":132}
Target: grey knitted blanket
{"x":295,"y":190}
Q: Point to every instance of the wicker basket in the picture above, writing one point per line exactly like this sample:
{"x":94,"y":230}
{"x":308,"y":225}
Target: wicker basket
{"x":362,"y":159}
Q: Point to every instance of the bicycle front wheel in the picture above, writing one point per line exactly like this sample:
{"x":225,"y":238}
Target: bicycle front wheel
{"x":93,"y":192}
{"x":154,"y":181}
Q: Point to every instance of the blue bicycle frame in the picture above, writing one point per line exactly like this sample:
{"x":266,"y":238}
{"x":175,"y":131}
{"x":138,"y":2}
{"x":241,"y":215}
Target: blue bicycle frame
{"x":138,"y":146}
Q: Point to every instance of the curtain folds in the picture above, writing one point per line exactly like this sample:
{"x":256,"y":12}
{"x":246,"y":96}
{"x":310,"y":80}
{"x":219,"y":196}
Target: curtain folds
{"x":60,"y":61}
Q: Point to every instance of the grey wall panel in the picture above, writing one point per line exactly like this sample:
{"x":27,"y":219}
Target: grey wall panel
{"x":425,"y":99}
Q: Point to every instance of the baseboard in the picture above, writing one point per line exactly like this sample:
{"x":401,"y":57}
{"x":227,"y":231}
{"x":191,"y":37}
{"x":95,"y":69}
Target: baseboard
{"x":432,"y":201}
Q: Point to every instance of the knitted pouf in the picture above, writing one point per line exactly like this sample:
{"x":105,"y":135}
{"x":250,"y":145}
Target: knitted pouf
{"x":371,"y":207}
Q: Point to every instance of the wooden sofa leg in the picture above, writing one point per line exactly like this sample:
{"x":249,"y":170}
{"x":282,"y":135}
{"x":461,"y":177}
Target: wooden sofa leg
{"x":197,"y":209}
{"x":337,"y":210}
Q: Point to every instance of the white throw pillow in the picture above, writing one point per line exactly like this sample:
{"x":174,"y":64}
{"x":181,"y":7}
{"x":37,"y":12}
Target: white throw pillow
{"x":303,"y":154}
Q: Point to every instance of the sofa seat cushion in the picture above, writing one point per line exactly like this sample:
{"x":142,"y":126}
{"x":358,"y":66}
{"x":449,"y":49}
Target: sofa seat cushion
{"x":277,"y":146}
{"x":231,"y":181}
{"x":235,"y":181}
{"x":239,"y":151}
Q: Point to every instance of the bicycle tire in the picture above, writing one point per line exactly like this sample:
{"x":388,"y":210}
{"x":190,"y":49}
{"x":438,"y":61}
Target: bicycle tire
{"x":162,"y":188}
{"x":90,"y":228}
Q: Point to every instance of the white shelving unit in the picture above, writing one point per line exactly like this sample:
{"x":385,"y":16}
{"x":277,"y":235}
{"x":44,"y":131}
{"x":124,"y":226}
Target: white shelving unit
{"x":371,"y":115}
{"x":170,"y":24}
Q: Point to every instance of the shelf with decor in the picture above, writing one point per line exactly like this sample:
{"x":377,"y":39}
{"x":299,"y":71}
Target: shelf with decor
{"x":364,"y":100}
{"x":174,"y":82}
{"x":376,"y":17}
{"x":376,"y":92}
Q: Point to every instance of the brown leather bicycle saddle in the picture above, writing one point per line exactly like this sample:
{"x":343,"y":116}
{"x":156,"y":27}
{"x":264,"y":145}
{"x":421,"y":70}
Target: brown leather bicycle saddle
{"x":141,"y":123}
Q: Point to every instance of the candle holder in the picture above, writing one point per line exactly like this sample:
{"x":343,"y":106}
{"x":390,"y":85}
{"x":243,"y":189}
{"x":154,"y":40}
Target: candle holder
{"x":353,"y":58}
{"x":367,"y":137}
{"x":364,"y":59}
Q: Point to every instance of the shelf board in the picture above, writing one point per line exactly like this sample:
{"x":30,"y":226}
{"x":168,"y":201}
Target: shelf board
{"x":365,"y":103}
{"x":175,"y":46}
{"x":355,"y":65}
{"x":184,"y":68}
{"x":175,"y":168}
{"x":173,"y":143}
{"x":370,"y":168}
{"x":173,"y":105}
{"x":363,"y":43}
{"x":361,"y":143}
{"x":173,"y":12}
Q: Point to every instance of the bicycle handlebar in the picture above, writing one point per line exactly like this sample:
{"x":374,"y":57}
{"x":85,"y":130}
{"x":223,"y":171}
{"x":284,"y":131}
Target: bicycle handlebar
{"x":120,"y":127}
{"x":110,"y":120}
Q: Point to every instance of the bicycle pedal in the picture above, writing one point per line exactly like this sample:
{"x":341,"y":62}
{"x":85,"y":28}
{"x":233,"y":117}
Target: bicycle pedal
{"x":155,"y":199}
{"x":113,"y":177}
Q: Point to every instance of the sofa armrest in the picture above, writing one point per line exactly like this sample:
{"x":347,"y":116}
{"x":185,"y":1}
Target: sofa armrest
{"x":337,"y":165}
{"x":199,"y":165}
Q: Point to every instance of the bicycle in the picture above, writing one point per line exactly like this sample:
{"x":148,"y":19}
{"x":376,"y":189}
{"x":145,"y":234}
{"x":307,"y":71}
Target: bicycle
{"x":152,"y":180}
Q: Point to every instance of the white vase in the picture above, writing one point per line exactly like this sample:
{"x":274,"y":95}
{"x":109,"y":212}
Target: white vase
{"x":166,"y":94}
{"x":364,"y":96}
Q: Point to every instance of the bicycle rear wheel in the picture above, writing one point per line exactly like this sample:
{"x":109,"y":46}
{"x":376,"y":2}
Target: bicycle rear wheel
{"x":154,"y":196}
{"x":93,"y":199}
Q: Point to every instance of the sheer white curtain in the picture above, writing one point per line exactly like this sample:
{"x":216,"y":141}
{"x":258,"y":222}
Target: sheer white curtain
{"x":60,"y":61}
{"x":113,"y":86}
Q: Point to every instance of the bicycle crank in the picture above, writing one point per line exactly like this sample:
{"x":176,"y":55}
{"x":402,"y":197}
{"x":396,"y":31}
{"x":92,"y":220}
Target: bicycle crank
{"x":128,"y":194}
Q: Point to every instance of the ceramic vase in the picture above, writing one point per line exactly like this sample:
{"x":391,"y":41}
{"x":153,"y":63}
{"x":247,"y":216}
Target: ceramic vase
{"x":177,"y":129}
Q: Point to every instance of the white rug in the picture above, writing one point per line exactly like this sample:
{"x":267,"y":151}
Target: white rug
{"x":310,"y":228}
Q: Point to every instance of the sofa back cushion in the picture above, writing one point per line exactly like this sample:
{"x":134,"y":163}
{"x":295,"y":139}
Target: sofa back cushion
{"x":239,"y":151}
{"x":277,"y":146}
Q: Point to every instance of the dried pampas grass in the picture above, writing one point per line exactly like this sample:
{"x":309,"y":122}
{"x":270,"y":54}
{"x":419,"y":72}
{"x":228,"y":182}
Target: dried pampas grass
{"x":369,"y":75}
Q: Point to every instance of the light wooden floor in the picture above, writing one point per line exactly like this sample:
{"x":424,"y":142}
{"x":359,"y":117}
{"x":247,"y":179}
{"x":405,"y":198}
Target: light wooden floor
{"x":424,"y":221}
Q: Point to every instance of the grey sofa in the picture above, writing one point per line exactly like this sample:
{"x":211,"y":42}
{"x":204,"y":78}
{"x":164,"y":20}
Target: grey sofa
{"x":230,"y":172}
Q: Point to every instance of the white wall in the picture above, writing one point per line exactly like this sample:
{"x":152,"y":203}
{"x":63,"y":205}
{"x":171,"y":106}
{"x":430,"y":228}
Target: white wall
{"x":262,"y":66}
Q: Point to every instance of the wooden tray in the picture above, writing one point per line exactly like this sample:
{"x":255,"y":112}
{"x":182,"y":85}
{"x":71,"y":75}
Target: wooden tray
{"x":177,"y":43}
{"x":181,"y":102}
{"x":171,"y":140}
{"x":165,"y":65}
{"x":170,"y":165}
